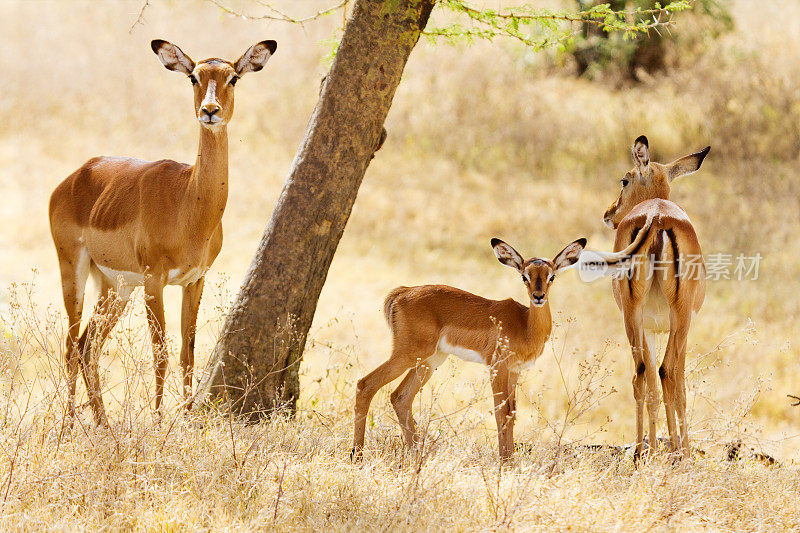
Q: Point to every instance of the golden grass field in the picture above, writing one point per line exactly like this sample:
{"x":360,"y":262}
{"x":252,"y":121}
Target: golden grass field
{"x":489,"y":140}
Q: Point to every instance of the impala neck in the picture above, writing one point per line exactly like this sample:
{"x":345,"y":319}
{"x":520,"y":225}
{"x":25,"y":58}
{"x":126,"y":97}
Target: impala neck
{"x":540,"y":322}
{"x":209,"y":183}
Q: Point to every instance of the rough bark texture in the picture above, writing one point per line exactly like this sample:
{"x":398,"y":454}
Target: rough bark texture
{"x":258,"y":353}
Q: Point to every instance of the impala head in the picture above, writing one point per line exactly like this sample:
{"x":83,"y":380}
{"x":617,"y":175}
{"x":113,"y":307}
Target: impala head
{"x":648,"y":179}
{"x":538,"y":274}
{"x":213,"y":79}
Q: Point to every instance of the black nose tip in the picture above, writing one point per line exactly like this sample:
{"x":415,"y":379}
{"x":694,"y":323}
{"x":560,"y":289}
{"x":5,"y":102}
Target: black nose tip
{"x":211,"y":113}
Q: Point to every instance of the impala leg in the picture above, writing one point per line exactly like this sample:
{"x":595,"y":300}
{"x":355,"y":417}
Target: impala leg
{"x":652,"y":398}
{"x":403,"y":396}
{"x":107,"y":311}
{"x":513,"y":377}
{"x":190,"y":306}
{"x":74,"y":273}
{"x":682,"y":323}
{"x":503,"y":414}
{"x":154,"y":300}
{"x":365,"y":391}
{"x":668,"y":384}
{"x":635,"y":332}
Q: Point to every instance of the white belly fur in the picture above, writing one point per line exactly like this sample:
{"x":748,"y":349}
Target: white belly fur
{"x":175,"y":277}
{"x":465,"y":354}
{"x":121,"y":277}
{"x":133,"y":279}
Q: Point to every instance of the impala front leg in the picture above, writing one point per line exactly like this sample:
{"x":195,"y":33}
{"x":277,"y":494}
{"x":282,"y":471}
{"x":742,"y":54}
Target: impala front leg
{"x":154,"y":301}
{"x":503,"y":414}
{"x":191,"y":303}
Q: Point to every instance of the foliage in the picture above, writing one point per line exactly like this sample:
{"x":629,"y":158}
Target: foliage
{"x":601,"y":51}
{"x":541,"y":27}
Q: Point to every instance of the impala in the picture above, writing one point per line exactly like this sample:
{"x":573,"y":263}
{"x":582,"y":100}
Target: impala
{"x":131,"y":222}
{"x":661,"y":291}
{"x":431,"y":321}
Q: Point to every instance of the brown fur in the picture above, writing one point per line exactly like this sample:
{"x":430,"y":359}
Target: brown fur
{"x":159,"y":221}
{"x":503,"y":333}
{"x":643,"y":213}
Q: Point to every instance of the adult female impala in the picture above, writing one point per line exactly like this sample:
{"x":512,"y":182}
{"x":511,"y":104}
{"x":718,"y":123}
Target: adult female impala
{"x":133,"y":222}
{"x":662,"y":290}
{"x":431,"y":321}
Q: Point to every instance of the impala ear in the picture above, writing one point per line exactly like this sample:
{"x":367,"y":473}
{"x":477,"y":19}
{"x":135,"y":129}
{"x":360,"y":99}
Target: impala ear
{"x":569,"y":255}
{"x":687,"y":165}
{"x":255,"y":57}
{"x":641,"y":154}
{"x":506,"y":254}
{"x":172,"y":57}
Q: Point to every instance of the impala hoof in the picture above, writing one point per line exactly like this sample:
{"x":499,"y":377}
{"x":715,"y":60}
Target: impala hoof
{"x":356,"y":456}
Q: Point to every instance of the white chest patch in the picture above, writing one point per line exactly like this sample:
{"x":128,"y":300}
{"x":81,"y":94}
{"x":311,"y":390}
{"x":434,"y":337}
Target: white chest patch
{"x":465,"y":354}
{"x":130,"y":279}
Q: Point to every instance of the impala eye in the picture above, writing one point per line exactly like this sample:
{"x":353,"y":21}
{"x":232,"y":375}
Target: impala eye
{"x":192,"y":79}
{"x":551,"y":278}
{"x":234,"y":80}
{"x":625,"y":182}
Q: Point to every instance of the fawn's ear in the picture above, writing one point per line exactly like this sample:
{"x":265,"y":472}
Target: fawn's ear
{"x":172,"y":57}
{"x":506,"y":254}
{"x":255,"y":57}
{"x":687,"y":165}
{"x":641,"y":154}
{"x":569,"y":255}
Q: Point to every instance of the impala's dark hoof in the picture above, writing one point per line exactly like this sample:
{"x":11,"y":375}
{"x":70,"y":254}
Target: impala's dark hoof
{"x":356,"y":456}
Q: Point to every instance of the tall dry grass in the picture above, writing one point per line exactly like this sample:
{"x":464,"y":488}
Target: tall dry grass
{"x":483,"y":141}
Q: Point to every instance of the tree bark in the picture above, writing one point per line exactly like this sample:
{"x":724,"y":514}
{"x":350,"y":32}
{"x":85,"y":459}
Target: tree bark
{"x":254,"y":365}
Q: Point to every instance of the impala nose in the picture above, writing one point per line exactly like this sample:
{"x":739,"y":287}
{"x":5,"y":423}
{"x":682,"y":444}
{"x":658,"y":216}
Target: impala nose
{"x":210,"y":109}
{"x":538,"y":300}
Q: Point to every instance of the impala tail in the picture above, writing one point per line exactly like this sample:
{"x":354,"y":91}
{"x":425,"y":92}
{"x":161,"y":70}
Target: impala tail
{"x":594,"y":264}
{"x":389,"y":301}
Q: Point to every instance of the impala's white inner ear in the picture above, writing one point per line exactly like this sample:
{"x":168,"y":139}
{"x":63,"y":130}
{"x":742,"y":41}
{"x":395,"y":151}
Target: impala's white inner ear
{"x":641,"y":155}
{"x":173,"y":57}
{"x":569,"y":255}
{"x":506,"y":254}
{"x":255,"y":57}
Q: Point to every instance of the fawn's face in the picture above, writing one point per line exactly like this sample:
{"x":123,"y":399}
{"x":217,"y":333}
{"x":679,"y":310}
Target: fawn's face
{"x":648,"y":179}
{"x":213,"y":80}
{"x":537,"y":273}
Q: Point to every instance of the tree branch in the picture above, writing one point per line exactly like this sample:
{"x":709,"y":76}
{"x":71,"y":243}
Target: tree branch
{"x":280,"y":15}
{"x":140,"y":18}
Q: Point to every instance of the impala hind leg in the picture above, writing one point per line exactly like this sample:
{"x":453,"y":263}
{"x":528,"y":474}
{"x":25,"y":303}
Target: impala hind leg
{"x":191,"y":303}
{"x":403,"y":396}
{"x":365,"y":391}
{"x":110,"y":305}
{"x":154,"y":301}
{"x":677,"y":360}
{"x":74,"y":269}
{"x":668,"y":387}
{"x":635,"y":331}
{"x":652,"y":398}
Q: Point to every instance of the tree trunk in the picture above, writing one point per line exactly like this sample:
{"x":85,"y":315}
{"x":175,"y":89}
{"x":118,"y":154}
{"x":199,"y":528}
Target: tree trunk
{"x":257,"y":356}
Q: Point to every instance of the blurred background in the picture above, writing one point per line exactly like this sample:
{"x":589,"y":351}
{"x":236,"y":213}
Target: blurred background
{"x":484,"y":140}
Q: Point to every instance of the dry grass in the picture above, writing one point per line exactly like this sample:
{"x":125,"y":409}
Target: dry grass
{"x":483,"y":141}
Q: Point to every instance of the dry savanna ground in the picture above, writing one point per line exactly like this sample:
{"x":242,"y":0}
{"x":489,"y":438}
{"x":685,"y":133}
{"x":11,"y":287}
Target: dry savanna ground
{"x":488,"y":140}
